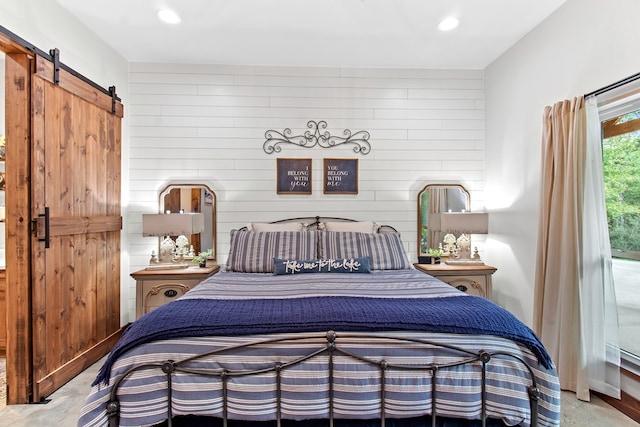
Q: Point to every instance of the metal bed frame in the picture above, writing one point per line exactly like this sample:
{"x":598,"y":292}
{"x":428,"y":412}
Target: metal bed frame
{"x":314,"y":222}
{"x":331,"y":348}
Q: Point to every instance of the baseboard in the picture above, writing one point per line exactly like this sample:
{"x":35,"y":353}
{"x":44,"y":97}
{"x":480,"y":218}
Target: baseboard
{"x":627,"y":404}
{"x":62,"y":375}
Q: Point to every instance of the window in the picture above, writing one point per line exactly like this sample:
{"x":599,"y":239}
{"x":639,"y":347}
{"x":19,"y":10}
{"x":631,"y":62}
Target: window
{"x":621,"y":166}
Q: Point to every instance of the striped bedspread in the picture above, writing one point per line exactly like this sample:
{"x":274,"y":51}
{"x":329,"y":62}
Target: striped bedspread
{"x":305,"y":387}
{"x":379,"y":284}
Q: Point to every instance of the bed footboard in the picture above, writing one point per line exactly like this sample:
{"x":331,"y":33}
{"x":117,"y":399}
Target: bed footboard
{"x":331,"y":349}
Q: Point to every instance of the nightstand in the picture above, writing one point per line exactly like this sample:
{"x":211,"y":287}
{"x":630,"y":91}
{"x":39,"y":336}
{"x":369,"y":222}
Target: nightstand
{"x":472,"y":279}
{"x":158,"y":287}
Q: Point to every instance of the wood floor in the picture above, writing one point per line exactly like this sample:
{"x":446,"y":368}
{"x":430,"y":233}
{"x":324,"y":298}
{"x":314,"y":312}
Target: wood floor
{"x":64,"y":406}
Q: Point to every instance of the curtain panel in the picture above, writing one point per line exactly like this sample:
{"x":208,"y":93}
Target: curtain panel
{"x":572,"y":260}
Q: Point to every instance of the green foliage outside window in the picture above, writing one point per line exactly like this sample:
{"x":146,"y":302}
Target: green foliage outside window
{"x":621,"y":164}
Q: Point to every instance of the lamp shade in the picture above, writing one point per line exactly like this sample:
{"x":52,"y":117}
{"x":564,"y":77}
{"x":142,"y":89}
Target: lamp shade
{"x":465,"y":222}
{"x":172,"y":224}
{"x":433,"y":221}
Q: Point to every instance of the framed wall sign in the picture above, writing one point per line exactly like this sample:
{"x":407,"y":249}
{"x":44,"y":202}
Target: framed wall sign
{"x":340,"y":176}
{"x":294,"y":176}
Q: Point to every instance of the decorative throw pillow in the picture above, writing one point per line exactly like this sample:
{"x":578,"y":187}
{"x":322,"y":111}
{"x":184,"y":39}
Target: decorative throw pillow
{"x":282,"y":226}
{"x":254,"y":251}
{"x":356,"y":226}
{"x":385,"y":250}
{"x":345,"y":265}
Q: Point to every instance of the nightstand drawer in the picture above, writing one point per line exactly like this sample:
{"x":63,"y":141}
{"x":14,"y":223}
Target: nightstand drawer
{"x":155,"y":294}
{"x":472,"y":279}
{"x":472,"y":285}
{"x":155,"y":288}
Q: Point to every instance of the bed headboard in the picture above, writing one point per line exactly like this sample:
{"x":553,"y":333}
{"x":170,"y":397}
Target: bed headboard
{"x":315,"y":221}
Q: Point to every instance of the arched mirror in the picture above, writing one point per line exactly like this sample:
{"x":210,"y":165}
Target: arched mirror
{"x":193,"y":198}
{"x":435,"y":199}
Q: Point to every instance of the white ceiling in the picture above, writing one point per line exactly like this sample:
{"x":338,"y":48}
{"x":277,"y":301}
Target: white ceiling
{"x":345,"y":33}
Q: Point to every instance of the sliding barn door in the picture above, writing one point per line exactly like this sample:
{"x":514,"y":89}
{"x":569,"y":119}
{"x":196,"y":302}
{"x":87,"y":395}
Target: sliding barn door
{"x":75,"y":205}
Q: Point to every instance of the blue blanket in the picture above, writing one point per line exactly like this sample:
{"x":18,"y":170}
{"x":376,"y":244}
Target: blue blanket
{"x":202,"y":317}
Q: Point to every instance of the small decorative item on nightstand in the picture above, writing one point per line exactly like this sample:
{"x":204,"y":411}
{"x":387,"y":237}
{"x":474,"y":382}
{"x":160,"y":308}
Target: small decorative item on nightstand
{"x":433,"y":257}
{"x":202,"y":258}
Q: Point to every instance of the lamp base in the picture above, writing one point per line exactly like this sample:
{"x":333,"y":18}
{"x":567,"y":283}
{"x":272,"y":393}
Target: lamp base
{"x":464,"y":258}
{"x":167,"y":266}
{"x":463,"y":261}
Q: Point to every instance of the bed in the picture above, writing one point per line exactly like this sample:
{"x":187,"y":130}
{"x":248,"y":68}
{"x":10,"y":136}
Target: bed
{"x":324,"y":322}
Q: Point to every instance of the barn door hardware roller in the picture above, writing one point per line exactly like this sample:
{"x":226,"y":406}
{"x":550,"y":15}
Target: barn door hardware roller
{"x":55,"y":58}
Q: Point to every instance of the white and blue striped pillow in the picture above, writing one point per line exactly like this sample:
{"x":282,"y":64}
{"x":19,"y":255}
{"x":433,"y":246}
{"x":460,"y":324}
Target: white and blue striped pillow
{"x":385,"y":250}
{"x":254,"y":251}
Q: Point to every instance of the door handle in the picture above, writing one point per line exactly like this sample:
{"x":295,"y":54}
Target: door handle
{"x":45,"y":239}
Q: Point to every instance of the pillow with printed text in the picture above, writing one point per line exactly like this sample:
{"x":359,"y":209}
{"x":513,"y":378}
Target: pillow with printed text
{"x":343,"y":265}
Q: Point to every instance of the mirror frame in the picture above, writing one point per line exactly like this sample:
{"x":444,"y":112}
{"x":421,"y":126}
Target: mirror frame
{"x":464,"y":192}
{"x":167,"y":189}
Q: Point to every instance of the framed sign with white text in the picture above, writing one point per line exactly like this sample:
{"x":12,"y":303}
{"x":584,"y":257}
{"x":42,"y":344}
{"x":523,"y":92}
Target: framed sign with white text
{"x":340,"y":176}
{"x":294,"y":176}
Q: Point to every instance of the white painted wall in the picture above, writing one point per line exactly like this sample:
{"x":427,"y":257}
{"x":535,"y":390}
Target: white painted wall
{"x":583,"y":46}
{"x":207,"y":123}
{"x":46,"y":25}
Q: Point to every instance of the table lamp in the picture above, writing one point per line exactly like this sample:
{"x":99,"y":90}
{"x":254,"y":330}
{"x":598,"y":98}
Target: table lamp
{"x":464,"y":223}
{"x":171,"y":254}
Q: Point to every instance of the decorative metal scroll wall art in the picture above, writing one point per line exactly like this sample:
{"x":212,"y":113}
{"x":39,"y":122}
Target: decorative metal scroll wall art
{"x":316,"y":136}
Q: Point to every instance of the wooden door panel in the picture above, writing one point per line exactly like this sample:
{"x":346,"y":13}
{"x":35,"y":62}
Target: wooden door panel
{"x":77,"y":179}
{"x":38,"y":261}
{"x":46,"y":112}
{"x":19,"y":131}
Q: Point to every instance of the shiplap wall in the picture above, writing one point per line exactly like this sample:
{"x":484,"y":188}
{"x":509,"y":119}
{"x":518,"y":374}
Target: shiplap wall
{"x":206,"y":123}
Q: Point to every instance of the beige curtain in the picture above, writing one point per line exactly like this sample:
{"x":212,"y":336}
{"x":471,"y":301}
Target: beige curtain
{"x":437,"y":203}
{"x":557,"y":293}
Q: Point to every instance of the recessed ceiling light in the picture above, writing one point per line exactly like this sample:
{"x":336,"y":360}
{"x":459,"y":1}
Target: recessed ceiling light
{"x":448,"y":24}
{"x":169,"y":16}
